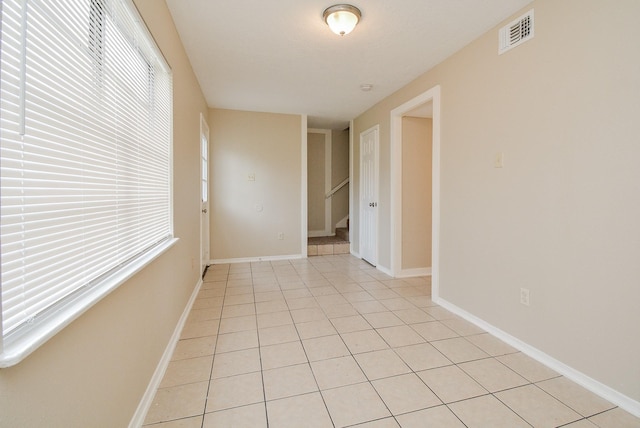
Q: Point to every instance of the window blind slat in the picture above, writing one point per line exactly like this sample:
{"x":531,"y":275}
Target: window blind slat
{"x":88,"y":187}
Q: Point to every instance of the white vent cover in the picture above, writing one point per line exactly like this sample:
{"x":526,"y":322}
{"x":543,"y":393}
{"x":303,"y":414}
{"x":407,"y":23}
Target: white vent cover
{"x":516,"y":32}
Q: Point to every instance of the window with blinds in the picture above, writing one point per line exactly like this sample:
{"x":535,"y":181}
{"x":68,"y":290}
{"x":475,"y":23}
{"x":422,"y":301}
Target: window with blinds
{"x":86,"y":157}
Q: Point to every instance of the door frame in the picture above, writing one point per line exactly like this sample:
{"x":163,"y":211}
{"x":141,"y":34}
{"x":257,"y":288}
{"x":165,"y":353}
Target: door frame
{"x":376,"y":166}
{"x":432,"y":95}
{"x":205,"y":243}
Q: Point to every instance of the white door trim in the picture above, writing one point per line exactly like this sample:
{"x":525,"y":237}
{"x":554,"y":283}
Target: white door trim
{"x":205,"y":230}
{"x":352,"y":203}
{"x":432,"y":95}
{"x":376,"y":197}
{"x":328,"y":167}
{"x":303,"y":188}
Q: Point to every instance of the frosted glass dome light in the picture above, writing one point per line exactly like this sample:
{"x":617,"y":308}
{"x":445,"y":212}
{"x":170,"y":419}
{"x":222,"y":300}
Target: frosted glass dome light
{"x":342,"y":18}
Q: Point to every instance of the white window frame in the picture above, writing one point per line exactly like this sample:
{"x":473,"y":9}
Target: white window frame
{"x":35,"y":329}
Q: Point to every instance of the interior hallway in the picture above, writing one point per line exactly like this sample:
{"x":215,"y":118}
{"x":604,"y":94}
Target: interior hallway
{"x":330,"y":341}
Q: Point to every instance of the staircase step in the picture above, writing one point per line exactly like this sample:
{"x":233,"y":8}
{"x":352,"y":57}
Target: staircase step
{"x":343,"y":233}
{"x":328,"y":249}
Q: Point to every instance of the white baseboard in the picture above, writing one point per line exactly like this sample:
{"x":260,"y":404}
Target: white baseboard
{"x":384,"y":270}
{"x":343,"y":222}
{"x":161,"y":368}
{"x":410,"y":273}
{"x":319,"y":233}
{"x":624,"y":402}
{"x":256,"y":259}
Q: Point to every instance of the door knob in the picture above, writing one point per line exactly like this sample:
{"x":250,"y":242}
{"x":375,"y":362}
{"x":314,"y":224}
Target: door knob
{"x":204,"y":211}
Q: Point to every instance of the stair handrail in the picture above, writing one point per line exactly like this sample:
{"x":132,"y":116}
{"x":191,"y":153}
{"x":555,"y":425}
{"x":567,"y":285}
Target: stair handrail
{"x":338,"y":187}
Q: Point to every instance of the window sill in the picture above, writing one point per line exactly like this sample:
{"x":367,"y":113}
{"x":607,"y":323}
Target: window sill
{"x":26,"y":339}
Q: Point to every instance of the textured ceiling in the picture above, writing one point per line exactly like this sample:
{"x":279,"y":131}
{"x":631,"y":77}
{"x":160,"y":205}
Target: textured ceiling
{"x":279,"y":55}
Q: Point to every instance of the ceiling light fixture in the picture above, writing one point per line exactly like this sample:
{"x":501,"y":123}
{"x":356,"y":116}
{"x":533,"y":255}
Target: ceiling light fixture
{"x":342,"y":18}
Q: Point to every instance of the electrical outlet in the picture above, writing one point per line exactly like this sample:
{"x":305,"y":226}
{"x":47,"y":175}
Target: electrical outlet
{"x":498,"y":161}
{"x":280,"y":236}
{"x":524,"y":296}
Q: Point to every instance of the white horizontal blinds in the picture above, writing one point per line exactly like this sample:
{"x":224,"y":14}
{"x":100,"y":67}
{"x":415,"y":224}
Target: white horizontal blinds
{"x":10,"y":71}
{"x":88,"y":186}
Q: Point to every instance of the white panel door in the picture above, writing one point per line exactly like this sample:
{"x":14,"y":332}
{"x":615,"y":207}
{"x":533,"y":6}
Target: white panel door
{"x":204,"y":192}
{"x":369,"y":195}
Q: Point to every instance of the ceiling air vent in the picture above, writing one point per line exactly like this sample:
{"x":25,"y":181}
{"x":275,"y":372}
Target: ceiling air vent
{"x":516,"y":32}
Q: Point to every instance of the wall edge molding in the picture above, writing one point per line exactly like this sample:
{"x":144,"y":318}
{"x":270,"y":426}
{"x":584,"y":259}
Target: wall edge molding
{"x":385,"y":270}
{"x":319,"y":233}
{"x":256,"y":259}
{"x":147,"y":398}
{"x":408,"y":273}
{"x":606,"y":392}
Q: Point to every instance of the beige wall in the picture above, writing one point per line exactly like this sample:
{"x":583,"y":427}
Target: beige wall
{"x":416,"y":192}
{"x":95,"y":371}
{"x":316,"y":181}
{"x":339,"y":171}
{"x":561,"y":217}
{"x":269,"y":146}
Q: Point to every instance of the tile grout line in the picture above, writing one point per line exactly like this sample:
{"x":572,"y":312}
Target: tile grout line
{"x":264,"y":391}
{"x":412,"y":371}
{"x":315,"y":379}
{"x":368,"y":381}
{"x":215,"y":347}
{"x":337,"y":273}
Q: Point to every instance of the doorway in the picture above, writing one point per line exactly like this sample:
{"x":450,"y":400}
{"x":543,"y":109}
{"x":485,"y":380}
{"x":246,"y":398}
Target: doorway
{"x":318,"y":182}
{"x":204,"y":195}
{"x":428,"y":101}
{"x":328,"y":191}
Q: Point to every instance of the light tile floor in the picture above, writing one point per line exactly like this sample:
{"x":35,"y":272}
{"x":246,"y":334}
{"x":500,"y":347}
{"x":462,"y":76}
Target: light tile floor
{"x":332,"y":342}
